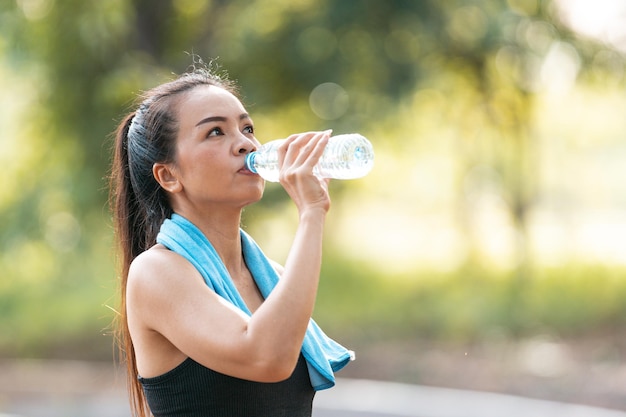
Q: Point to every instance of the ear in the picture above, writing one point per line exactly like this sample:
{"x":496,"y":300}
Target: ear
{"x":166,"y":177}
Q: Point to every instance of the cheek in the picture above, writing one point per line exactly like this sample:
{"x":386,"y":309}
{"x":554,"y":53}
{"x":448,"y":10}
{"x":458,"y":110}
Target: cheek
{"x":203,"y":165}
{"x":210,"y":169}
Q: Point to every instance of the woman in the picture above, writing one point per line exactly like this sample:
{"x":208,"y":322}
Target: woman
{"x":206,"y":326}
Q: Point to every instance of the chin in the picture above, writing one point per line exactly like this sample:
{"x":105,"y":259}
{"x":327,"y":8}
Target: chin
{"x":256,"y":198}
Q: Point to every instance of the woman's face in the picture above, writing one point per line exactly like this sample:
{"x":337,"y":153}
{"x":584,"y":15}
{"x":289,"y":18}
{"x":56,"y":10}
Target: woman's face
{"x":215,"y":135}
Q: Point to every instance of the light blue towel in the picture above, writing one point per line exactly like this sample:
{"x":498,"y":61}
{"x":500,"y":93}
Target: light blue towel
{"x":323,"y":355}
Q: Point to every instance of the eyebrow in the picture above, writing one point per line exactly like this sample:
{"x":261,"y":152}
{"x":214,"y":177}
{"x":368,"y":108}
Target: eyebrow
{"x":220,"y":119}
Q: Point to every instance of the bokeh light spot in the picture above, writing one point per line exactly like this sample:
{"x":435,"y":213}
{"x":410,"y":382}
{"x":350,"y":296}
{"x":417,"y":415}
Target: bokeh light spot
{"x":35,"y":9}
{"x":329,"y":101}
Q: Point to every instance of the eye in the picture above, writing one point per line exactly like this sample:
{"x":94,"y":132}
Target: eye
{"x":249,"y":129}
{"x":215,"y":132}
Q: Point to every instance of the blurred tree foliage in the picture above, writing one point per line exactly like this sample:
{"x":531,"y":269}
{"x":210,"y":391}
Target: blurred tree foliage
{"x":81,"y":63}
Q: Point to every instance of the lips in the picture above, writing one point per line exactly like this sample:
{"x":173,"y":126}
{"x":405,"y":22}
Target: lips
{"x":244,"y":170}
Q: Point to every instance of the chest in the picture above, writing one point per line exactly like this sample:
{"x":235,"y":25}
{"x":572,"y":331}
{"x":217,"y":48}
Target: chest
{"x":247,"y":288}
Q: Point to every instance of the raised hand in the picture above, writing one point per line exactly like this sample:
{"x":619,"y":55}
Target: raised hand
{"x":297,"y":156}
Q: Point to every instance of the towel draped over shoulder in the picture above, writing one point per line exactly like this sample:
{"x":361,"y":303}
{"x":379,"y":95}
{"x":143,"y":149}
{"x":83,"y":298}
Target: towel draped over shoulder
{"x":323,"y":355}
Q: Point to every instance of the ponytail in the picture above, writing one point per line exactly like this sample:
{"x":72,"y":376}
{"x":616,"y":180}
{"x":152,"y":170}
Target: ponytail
{"x":125,"y":208}
{"x":123,"y":201}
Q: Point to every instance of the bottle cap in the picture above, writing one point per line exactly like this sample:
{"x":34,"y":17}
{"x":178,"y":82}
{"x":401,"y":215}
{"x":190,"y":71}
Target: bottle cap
{"x":250,"y":162}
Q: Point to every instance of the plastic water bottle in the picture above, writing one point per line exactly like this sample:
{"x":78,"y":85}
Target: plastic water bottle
{"x":345,"y":157}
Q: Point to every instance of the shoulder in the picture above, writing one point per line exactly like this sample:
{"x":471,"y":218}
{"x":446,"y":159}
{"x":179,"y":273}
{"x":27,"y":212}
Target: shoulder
{"x":155,"y":258}
{"x":156,"y":261}
{"x":158,"y":271}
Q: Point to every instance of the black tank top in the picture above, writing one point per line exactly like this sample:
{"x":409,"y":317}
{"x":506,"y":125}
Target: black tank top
{"x":192,"y":390}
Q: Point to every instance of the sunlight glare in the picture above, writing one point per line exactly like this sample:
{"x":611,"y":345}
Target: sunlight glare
{"x":604,"y":20}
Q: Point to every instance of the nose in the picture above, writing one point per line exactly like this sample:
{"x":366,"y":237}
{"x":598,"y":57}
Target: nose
{"x":246,"y":146}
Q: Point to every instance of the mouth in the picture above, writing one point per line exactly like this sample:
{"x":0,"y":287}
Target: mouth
{"x":245,"y":170}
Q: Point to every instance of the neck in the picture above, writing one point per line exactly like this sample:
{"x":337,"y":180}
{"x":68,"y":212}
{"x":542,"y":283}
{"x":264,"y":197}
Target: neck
{"x":222,"y":230}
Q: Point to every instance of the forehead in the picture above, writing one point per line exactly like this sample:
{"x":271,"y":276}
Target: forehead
{"x":208,"y":100}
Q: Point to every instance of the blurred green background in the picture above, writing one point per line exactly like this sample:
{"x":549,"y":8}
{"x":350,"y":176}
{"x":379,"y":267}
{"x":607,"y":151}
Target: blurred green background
{"x":495,"y":215}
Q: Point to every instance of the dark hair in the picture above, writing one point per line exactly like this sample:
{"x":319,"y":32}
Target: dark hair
{"x":139,"y":204}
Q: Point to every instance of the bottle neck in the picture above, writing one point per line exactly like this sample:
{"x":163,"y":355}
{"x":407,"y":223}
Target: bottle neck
{"x":250,"y":162}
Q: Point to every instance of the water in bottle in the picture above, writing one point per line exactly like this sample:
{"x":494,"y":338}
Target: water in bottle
{"x":345,"y":157}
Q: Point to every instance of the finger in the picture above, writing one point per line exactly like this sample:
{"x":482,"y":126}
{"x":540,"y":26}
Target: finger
{"x":314,"y":148}
{"x":298,"y":149}
{"x":318,"y":145}
{"x":293,"y":142}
